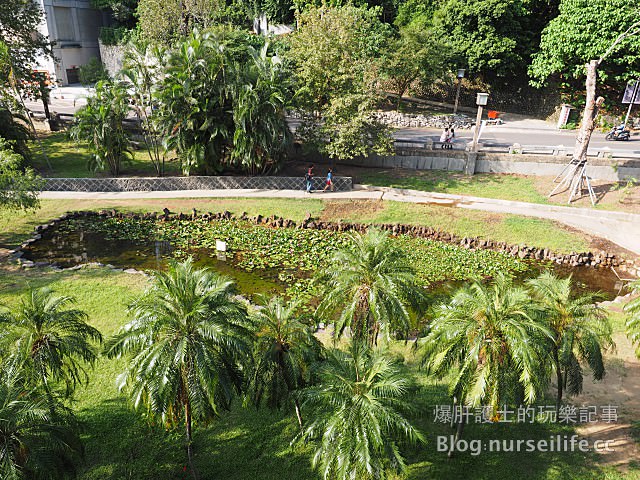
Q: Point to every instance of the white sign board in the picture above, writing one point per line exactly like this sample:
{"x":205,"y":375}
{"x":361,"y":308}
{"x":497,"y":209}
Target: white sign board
{"x":629,"y":92}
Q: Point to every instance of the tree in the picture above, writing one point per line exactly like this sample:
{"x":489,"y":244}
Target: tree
{"x":487,"y":336}
{"x":33,"y":442}
{"x":284,"y":351}
{"x":580,"y":331}
{"x":416,"y":54}
{"x":372,"y":290}
{"x":632,"y":309}
{"x":142,"y":69}
{"x":19,"y":185}
{"x":186,"y":341}
{"x":583,"y":31}
{"x":166,"y":21}
{"x":19,"y":20}
{"x":357,"y":417}
{"x":49,"y":341}
{"x":333,"y":50}
{"x":99,"y":123}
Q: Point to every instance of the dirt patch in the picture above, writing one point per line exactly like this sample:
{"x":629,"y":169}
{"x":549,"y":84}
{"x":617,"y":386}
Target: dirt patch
{"x":335,"y":210}
{"x":620,"y":388}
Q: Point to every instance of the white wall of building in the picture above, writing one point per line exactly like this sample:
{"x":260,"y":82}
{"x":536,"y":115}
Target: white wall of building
{"x":73,"y":26}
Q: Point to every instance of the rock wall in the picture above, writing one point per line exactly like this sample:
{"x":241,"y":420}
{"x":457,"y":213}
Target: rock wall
{"x":111,"y":56}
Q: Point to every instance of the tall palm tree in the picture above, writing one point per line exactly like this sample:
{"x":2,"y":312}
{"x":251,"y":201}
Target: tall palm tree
{"x":187,"y":339}
{"x":48,"y":340}
{"x":632,"y":309}
{"x":580,"y":330}
{"x":33,"y":442}
{"x":284,"y":351}
{"x":487,"y":335}
{"x":357,"y":411}
{"x":370,"y":287}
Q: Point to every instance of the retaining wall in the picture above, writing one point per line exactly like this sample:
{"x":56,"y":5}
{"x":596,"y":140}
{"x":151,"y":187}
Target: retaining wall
{"x":147,"y":184}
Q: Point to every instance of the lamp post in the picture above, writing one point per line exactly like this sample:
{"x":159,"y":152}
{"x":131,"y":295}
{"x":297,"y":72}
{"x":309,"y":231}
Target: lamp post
{"x":459,"y":76}
{"x":481,"y":101}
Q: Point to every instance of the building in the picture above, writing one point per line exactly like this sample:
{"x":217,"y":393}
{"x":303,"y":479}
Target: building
{"x":73,"y":26}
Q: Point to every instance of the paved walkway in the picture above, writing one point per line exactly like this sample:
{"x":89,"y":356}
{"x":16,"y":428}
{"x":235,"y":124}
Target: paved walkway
{"x":618,"y":227}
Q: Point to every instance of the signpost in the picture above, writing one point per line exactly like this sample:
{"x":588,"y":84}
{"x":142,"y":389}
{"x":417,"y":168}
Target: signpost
{"x":631,"y":96}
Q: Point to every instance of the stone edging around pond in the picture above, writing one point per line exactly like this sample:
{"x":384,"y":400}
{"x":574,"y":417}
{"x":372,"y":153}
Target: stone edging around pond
{"x":599,"y":260}
{"x":147,"y":184}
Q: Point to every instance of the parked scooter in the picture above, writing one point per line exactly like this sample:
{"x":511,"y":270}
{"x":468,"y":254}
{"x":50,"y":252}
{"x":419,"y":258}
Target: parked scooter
{"x":618,"y":133}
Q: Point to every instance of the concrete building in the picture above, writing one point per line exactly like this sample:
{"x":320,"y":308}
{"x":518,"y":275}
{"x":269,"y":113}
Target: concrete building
{"x":73,"y":26}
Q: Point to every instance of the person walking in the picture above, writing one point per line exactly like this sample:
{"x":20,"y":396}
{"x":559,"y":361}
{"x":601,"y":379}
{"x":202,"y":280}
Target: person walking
{"x":329,"y":180}
{"x":309,"y":179}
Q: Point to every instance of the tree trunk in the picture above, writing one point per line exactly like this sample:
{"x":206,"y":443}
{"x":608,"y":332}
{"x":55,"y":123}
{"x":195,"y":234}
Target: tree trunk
{"x":556,"y":361}
{"x":298,"y":414}
{"x":187,"y":414}
{"x":459,"y":430}
{"x":590,"y":113}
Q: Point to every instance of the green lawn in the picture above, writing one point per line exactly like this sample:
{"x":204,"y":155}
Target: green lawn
{"x":249,"y":444}
{"x":69,"y":160}
{"x":488,"y":185}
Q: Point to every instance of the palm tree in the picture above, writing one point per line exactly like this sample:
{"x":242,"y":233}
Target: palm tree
{"x":632,"y":310}
{"x":187,"y":338}
{"x":49,"y":341}
{"x":33,"y":442}
{"x":284,"y":350}
{"x":487,"y":336}
{"x":357,"y":411}
{"x":370,"y":287}
{"x":580,"y":330}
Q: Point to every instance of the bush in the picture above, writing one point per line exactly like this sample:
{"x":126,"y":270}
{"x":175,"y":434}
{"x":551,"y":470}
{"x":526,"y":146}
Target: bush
{"x":92,"y":72}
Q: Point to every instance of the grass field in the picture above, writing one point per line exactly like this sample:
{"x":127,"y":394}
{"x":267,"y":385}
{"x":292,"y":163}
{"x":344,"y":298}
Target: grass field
{"x":16,"y":226}
{"x":250,"y":444}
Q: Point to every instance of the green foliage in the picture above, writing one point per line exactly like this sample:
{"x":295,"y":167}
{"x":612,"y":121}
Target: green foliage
{"x":487,"y":336}
{"x":19,"y":185}
{"x":185,"y":347}
{"x":19,"y":19}
{"x":123,"y":11}
{"x":93,"y":71}
{"x":14,"y":129}
{"x":334,"y":50}
{"x":36,"y":443}
{"x":48,"y":341}
{"x":416,"y":54}
{"x":222,"y":104}
{"x":356,"y":412}
{"x":115,"y":35}
{"x":632,"y":310}
{"x":373,"y":292}
{"x":584,"y":31}
{"x":99,"y":124}
{"x":580,"y":331}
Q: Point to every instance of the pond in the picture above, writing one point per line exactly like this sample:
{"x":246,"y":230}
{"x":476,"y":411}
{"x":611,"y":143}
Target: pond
{"x":259,"y":260}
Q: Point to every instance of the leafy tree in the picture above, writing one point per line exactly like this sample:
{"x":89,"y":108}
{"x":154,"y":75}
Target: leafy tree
{"x":284,"y":351}
{"x":580,"y":331}
{"x":487,"y":335}
{"x":372,"y":290}
{"x":334,"y":50}
{"x":93,"y":71}
{"x":165,"y":21}
{"x":49,"y":341}
{"x":19,"y":19}
{"x":584,"y":30}
{"x":19,"y":185}
{"x":357,"y":417}
{"x":142,"y":69}
{"x":123,"y":11}
{"x":415,"y":54}
{"x":222,"y":104}
{"x":99,"y":123}
{"x":186,"y":341}
{"x":34,"y":443}
{"x":632,"y":309}
{"x":13,"y":129}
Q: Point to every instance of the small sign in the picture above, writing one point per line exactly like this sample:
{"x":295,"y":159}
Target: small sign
{"x":565,"y":111}
{"x":632,"y":90}
{"x":221,"y":246}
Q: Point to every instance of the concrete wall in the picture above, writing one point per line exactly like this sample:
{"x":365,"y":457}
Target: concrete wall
{"x":111,"y":58}
{"x":420,"y":159}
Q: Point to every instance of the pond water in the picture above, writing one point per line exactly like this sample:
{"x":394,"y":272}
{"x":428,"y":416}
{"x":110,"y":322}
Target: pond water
{"x":67,"y":247}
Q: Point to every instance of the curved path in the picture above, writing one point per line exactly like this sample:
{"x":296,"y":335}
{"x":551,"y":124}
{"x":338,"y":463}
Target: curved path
{"x":618,"y":227}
